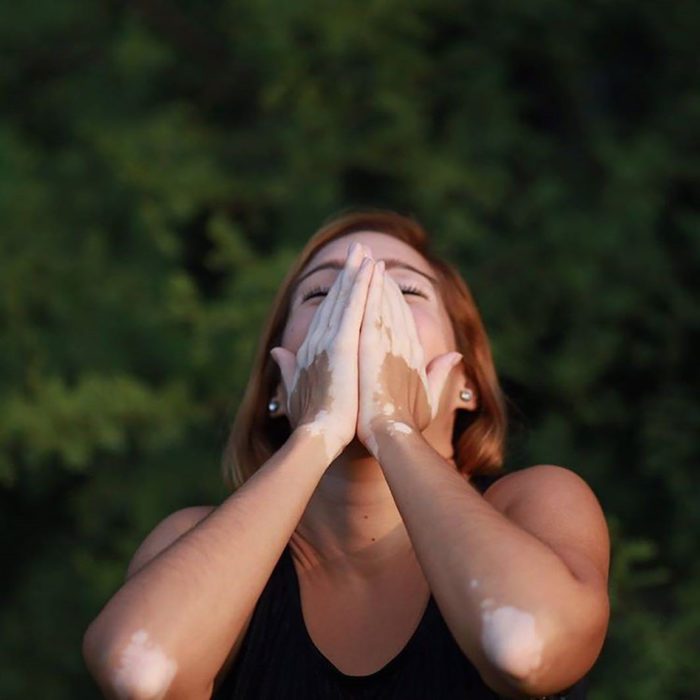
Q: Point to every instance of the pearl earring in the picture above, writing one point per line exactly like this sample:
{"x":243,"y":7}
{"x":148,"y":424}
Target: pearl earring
{"x":273,"y":405}
{"x":466,"y":395}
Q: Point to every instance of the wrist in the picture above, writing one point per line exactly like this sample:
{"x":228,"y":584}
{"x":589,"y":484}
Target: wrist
{"x":393,"y":426}
{"x":384,"y":430}
{"x":318,"y":440}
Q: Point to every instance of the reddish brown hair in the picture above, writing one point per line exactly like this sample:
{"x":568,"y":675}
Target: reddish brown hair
{"x":479,"y":436}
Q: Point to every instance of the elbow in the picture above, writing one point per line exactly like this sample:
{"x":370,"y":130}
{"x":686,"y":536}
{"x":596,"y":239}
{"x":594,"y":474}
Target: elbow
{"x":513,"y":671}
{"x":133,"y":670}
{"x":513,"y":647}
{"x":529,"y":657}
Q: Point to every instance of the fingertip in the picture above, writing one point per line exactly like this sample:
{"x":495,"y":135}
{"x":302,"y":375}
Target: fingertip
{"x":355,"y":250}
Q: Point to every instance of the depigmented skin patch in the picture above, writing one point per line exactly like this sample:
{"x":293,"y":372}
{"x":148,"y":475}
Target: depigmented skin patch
{"x":510,"y":640}
{"x":144,"y":669}
{"x":399,"y":427}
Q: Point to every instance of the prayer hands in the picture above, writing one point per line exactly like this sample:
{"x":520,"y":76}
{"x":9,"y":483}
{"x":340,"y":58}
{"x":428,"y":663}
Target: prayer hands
{"x":360,"y":370}
{"x":320,"y":380}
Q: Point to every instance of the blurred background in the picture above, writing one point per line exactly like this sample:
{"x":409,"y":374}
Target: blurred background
{"x":162,"y":161}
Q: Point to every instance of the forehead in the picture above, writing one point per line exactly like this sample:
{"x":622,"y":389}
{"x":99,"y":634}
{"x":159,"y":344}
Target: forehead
{"x":381,"y":246}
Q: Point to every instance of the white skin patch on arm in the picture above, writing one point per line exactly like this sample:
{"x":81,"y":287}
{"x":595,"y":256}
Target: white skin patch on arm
{"x":144,"y":669}
{"x":510,"y":640}
{"x":399,"y":427}
{"x":388,"y":409}
{"x":317,"y":428}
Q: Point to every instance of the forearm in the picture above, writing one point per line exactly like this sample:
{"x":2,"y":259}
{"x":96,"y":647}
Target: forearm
{"x":193,"y":599}
{"x":490,"y":577}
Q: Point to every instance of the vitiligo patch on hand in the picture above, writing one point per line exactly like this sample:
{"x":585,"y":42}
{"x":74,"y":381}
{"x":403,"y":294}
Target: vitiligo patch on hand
{"x":510,"y":640}
{"x":144,"y":669}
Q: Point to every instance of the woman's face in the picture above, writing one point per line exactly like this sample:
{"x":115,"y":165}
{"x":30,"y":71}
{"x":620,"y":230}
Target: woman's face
{"x":406,"y":266}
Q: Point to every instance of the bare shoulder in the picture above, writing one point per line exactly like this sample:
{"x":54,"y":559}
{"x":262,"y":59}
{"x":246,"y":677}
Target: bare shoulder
{"x":165,"y":533}
{"x":556,"y":505}
{"x":536,"y":483}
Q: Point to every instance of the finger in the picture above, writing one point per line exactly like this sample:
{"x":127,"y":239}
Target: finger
{"x":438,"y":372}
{"x":389,"y":327}
{"x":343,"y":280}
{"x":352,"y":318}
{"x":372,"y":320}
{"x":401,"y":341}
{"x":286,"y":361}
{"x":414,"y":356}
{"x":351,"y":270}
{"x":321,"y":319}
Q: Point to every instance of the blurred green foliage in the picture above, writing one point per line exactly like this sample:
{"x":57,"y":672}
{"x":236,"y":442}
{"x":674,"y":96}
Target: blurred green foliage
{"x":162,"y":161}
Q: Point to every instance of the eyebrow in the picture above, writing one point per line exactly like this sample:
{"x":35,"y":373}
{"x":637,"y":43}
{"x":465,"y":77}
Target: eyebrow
{"x":389,"y":263}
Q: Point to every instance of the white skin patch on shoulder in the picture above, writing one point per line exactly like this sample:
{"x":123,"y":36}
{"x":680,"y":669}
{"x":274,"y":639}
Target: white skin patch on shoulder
{"x":510,"y":640}
{"x":144,"y":669}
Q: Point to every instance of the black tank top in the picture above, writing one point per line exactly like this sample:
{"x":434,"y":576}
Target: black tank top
{"x":278,"y":659}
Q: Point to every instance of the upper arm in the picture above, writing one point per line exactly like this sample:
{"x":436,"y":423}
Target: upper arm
{"x":168,"y":531}
{"x":160,"y":538}
{"x":165,"y":533}
{"x":559,"y":508}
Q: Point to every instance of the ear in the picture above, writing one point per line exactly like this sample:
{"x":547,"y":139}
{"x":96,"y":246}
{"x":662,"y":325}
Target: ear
{"x":455,"y":383}
{"x":280,"y":395}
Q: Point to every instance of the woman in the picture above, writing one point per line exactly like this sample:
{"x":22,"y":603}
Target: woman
{"x":358,"y":556}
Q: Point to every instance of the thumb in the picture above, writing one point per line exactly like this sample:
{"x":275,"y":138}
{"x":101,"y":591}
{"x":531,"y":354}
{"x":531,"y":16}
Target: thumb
{"x":287,"y":362}
{"x":437,"y":371}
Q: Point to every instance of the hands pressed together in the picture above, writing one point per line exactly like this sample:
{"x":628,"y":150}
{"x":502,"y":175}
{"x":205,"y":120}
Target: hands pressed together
{"x":361,"y":370}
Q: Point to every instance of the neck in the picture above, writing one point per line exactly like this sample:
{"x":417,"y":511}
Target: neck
{"x":351,"y":526}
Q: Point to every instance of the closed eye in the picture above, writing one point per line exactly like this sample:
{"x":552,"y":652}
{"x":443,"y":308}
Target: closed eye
{"x":322,"y":291}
